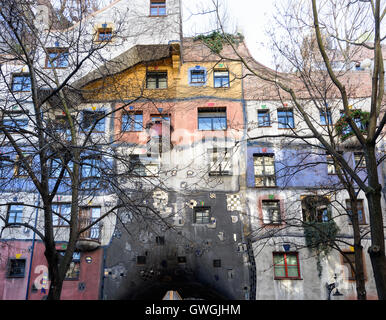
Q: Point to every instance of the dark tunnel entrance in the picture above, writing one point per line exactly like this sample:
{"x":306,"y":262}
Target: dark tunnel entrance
{"x":186,"y":288}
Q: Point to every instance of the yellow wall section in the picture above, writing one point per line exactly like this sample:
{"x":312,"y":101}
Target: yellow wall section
{"x":131,"y":83}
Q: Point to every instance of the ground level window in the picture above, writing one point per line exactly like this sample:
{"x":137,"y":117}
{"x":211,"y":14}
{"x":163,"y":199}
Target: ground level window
{"x":286,"y":265}
{"x":16,"y":268}
{"x":202,"y":215}
{"x":74,"y":268}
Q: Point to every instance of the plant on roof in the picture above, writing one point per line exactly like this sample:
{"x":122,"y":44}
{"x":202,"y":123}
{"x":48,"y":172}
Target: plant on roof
{"x":215,"y":40}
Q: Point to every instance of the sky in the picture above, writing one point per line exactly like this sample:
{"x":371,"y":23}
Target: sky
{"x":250,"y":17}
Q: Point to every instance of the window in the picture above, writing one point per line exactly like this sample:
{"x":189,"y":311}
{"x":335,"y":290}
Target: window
{"x":221,"y":78}
{"x":136,"y":167}
{"x":285,"y":119}
{"x":132,"y":121}
{"x":56,"y":167}
{"x":61,"y":127}
{"x":94,"y":117}
{"x":87,"y":216}
{"x":197,"y":76}
{"x":286,"y":265}
{"x":220,"y":162}
{"x":263,"y":118}
{"x":201,"y":215}
{"x":74,"y":268}
{"x":14,"y":121}
{"x":16,"y":268}
{"x":347,"y":129}
{"x":157,"y":7}
{"x":141,"y":260}
{"x":271,"y":212}
{"x":264,"y":169}
{"x":348,"y":259}
{"x":104,"y":34}
{"x":160,"y":240}
{"x":15,"y":213}
{"x":315,"y":208}
{"x":90,"y":167}
{"x":181,"y":259}
{"x":331,"y":166}
{"x":325,"y":117}
{"x":5,"y":165}
{"x":212,"y":119}
{"x":217,"y":263}
{"x":360,"y":210}
{"x":60,"y":211}
{"x":156,"y":80}
{"x":359,"y":160}
{"x":21,"y":82}
{"x":57,"y":58}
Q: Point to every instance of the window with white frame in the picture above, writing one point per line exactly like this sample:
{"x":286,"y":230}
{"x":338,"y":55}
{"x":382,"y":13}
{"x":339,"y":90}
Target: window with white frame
{"x":271,"y":211}
{"x":264,"y":169}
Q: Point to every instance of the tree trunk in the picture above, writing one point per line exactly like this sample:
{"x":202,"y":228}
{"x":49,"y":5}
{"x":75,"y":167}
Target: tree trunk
{"x":377,"y":248}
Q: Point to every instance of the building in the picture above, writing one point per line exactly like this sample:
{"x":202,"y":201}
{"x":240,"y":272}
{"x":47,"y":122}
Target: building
{"x":183,"y":160}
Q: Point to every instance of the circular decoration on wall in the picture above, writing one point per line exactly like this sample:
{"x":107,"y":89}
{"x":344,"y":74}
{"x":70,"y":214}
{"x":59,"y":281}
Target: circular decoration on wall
{"x":88,"y":259}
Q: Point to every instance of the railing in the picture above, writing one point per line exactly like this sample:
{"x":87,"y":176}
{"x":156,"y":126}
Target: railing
{"x":94,"y":232}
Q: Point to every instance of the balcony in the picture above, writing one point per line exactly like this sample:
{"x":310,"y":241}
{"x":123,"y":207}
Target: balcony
{"x":90,"y":239}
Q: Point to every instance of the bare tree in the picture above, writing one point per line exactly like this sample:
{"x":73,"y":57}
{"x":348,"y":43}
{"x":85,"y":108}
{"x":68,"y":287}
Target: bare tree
{"x":316,"y":47}
{"x":53,"y":139}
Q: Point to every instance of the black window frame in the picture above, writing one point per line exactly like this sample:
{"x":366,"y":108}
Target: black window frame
{"x":157,"y":75}
{"x":11,"y":267}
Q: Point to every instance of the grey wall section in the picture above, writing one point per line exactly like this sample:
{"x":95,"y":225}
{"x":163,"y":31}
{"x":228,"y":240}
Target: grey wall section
{"x":197,"y":277}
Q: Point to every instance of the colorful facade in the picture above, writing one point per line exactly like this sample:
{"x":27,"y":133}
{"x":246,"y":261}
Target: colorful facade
{"x":192,"y":128}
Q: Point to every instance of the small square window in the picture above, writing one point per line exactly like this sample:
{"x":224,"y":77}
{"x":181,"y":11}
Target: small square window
{"x":141,"y":260}
{"x":181,"y":259}
{"x":57,"y":58}
{"x":91,"y":118}
{"x":21,"y":82}
{"x":74,"y":268}
{"x":286,"y":265}
{"x":16,"y":268}
{"x":285,"y":118}
{"x":104,"y":34}
{"x":201,"y":215}
{"x":60,"y":211}
{"x":221,"y":78}
{"x":212,"y":119}
{"x":156,"y":80}
{"x":315,"y":208}
{"x":263,"y":118}
{"x":271,"y":212}
{"x":217,"y":263}
{"x":157,"y":7}
{"x":197,"y":76}
{"x":132,"y":121}
{"x":220,"y":162}
{"x":160,"y":240}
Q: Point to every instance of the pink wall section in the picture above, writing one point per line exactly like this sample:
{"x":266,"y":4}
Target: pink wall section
{"x":89,"y":276}
{"x":13,"y":288}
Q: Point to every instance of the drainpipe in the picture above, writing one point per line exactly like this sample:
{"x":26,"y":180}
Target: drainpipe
{"x":33,"y":247}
